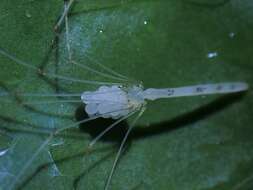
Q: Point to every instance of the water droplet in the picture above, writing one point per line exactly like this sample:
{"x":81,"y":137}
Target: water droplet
{"x":145,"y":22}
{"x":212,"y":55}
{"x":101,"y":31}
{"x":231,"y":34}
{"x":28,"y":15}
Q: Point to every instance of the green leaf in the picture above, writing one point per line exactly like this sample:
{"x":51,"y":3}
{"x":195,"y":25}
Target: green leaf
{"x":184,"y":143}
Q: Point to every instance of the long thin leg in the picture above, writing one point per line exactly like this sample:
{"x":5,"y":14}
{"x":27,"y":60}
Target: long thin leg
{"x":106,"y":68}
{"x":16,"y":60}
{"x":44,"y":144}
{"x":63,"y":95}
{"x":80,"y":65}
{"x":65,"y":12}
{"x":50,"y":102}
{"x":43,"y":95}
{"x":98,"y":72}
{"x":62,"y":101}
{"x":117,"y":75}
{"x":39,"y":102}
{"x":30,"y":66}
{"x":89,"y":119}
{"x":29,"y":162}
{"x":67,"y":32}
{"x":121,"y":147}
{"x":79,"y":80}
{"x":67,"y":7}
{"x":20,"y":62}
{"x":58,"y":24}
{"x":109,"y":128}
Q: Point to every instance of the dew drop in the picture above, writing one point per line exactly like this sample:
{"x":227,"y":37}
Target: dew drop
{"x":212,"y":55}
{"x":28,"y":15}
{"x":145,"y":22}
{"x":231,"y":34}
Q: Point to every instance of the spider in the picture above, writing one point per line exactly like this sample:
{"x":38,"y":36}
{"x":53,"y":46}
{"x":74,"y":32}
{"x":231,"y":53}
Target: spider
{"x":118,"y":100}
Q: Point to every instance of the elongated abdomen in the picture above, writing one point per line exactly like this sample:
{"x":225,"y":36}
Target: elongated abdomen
{"x":202,"y":89}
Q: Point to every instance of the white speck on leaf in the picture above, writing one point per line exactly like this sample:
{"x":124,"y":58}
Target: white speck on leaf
{"x":231,"y":34}
{"x":3,"y":152}
{"x":212,"y":55}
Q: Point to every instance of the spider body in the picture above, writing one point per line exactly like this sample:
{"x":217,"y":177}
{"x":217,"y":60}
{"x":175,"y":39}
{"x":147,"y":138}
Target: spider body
{"x":113,"y":101}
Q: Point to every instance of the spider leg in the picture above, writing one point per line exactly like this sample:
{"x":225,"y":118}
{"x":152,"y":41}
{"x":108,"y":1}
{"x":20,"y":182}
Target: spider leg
{"x":121,"y":147}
